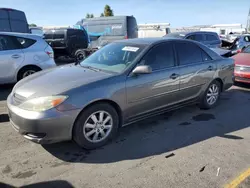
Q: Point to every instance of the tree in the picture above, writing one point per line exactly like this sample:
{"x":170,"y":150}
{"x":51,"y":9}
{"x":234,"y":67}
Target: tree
{"x":89,"y":15}
{"x":32,"y":25}
{"x":108,"y":11}
{"x":102,"y":15}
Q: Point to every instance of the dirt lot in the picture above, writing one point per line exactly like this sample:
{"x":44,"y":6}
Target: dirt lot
{"x":184,"y":148}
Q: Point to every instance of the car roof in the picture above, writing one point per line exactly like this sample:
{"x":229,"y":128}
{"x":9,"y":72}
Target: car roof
{"x":194,"y":32}
{"x":149,"y":41}
{"x":27,"y":35}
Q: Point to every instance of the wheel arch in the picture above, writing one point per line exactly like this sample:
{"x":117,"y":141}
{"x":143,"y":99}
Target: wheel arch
{"x":221,"y":83}
{"x":26,"y":66}
{"x":108,"y":101}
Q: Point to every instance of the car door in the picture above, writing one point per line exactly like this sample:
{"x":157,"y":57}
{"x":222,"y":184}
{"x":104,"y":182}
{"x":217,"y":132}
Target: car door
{"x":11,"y":56}
{"x":196,"y":69}
{"x":147,"y":92}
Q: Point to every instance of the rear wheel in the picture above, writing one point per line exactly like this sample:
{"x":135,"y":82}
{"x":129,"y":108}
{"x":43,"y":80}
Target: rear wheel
{"x":27,"y":71}
{"x":211,"y":96}
{"x":96,"y":126}
{"x":80,"y":55}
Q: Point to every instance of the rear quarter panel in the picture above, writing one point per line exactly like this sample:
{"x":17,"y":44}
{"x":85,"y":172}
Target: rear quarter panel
{"x":225,"y":70}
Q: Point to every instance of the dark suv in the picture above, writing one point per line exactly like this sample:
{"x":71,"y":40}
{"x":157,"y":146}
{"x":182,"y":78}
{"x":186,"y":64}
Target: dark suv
{"x":67,"y":42}
{"x":210,"y":39}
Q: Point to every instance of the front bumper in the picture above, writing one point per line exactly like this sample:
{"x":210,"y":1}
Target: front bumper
{"x":42,"y":127}
{"x":243,"y":77}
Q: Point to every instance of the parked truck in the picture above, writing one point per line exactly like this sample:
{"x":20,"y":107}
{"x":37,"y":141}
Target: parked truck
{"x":12,"y":20}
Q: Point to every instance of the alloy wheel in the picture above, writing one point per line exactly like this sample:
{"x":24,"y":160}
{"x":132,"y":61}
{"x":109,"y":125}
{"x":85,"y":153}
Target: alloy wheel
{"x":212,"y":94}
{"x":28,"y":73}
{"x":98,"y":126}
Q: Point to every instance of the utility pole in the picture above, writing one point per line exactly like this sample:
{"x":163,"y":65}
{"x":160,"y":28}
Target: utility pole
{"x":248,"y":21}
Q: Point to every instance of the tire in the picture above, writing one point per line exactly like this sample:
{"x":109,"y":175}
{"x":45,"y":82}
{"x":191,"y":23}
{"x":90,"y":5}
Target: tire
{"x":80,"y":55}
{"x":207,"y":103}
{"x":26,"y":71}
{"x":85,"y":129}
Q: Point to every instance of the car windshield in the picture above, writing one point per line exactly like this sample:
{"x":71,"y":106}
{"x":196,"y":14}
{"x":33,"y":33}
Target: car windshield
{"x":246,"y":50}
{"x":114,"y":57}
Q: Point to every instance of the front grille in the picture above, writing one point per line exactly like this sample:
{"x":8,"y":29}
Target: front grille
{"x":18,"y":99}
{"x":242,"y":69}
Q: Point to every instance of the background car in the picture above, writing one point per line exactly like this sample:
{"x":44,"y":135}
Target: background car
{"x":210,"y":39}
{"x":22,"y":55}
{"x":119,"y":84}
{"x":242,"y":66}
{"x":240,"y":42}
{"x":67,"y":42}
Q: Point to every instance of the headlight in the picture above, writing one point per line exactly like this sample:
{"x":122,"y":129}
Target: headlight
{"x":42,"y":103}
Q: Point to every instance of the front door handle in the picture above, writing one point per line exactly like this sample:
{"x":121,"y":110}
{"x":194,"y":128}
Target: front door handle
{"x":210,"y":68}
{"x":174,"y":76}
{"x":15,"y":56}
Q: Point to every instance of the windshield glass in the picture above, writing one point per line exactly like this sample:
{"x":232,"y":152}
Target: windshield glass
{"x":114,"y":57}
{"x":246,"y":50}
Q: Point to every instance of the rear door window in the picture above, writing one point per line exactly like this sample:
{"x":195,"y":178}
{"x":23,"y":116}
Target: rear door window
{"x":9,"y":43}
{"x":25,"y":43}
{"x":160,"y":57}
{"x":196,"y":37}
{"x":188,"y":53}
{"x":209,"y":37}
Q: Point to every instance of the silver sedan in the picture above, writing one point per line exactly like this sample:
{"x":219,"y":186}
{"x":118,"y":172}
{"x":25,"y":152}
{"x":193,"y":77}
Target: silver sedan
{"x":121,"y":83}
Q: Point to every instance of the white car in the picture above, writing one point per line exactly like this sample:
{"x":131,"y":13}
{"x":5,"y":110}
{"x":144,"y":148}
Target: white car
{"x":22,"y":55}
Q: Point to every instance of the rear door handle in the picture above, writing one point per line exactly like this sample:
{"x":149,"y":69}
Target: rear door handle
{"x":15,"y":56}
{"x":210,"y":68}
{"x":174,"y":76}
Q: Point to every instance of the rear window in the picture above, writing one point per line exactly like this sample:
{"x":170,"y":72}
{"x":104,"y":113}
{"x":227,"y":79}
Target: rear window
{"x":209,"y":37}
{"x":25,"y":43}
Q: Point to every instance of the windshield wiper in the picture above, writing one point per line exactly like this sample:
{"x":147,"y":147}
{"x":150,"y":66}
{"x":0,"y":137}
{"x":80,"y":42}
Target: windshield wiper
{"x":91,"y":68}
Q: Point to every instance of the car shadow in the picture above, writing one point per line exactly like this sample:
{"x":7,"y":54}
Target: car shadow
{"x":5,"y":90}
{"x":159,"y":135}
{"x":47,"y":184}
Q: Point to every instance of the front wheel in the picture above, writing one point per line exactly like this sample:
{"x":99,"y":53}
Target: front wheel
{"x":211,"y":96}
{"x":96,"y":126}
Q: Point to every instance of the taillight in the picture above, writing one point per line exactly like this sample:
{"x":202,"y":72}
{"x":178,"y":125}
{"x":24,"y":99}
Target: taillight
{"x":49,"y":52}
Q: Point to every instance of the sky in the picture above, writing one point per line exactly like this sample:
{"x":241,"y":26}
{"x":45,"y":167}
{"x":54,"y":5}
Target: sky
{"x":178,"y":13}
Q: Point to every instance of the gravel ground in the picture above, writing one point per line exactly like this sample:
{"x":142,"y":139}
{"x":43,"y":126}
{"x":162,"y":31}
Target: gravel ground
{"x":184,"y":148}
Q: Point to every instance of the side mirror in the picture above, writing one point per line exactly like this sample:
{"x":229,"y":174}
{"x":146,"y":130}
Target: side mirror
{"x":142,"y":69}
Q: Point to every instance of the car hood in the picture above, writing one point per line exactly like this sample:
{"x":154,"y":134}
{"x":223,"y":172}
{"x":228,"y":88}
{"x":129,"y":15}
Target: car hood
{"x":57,"y":80}
{"x":242,"y":59}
